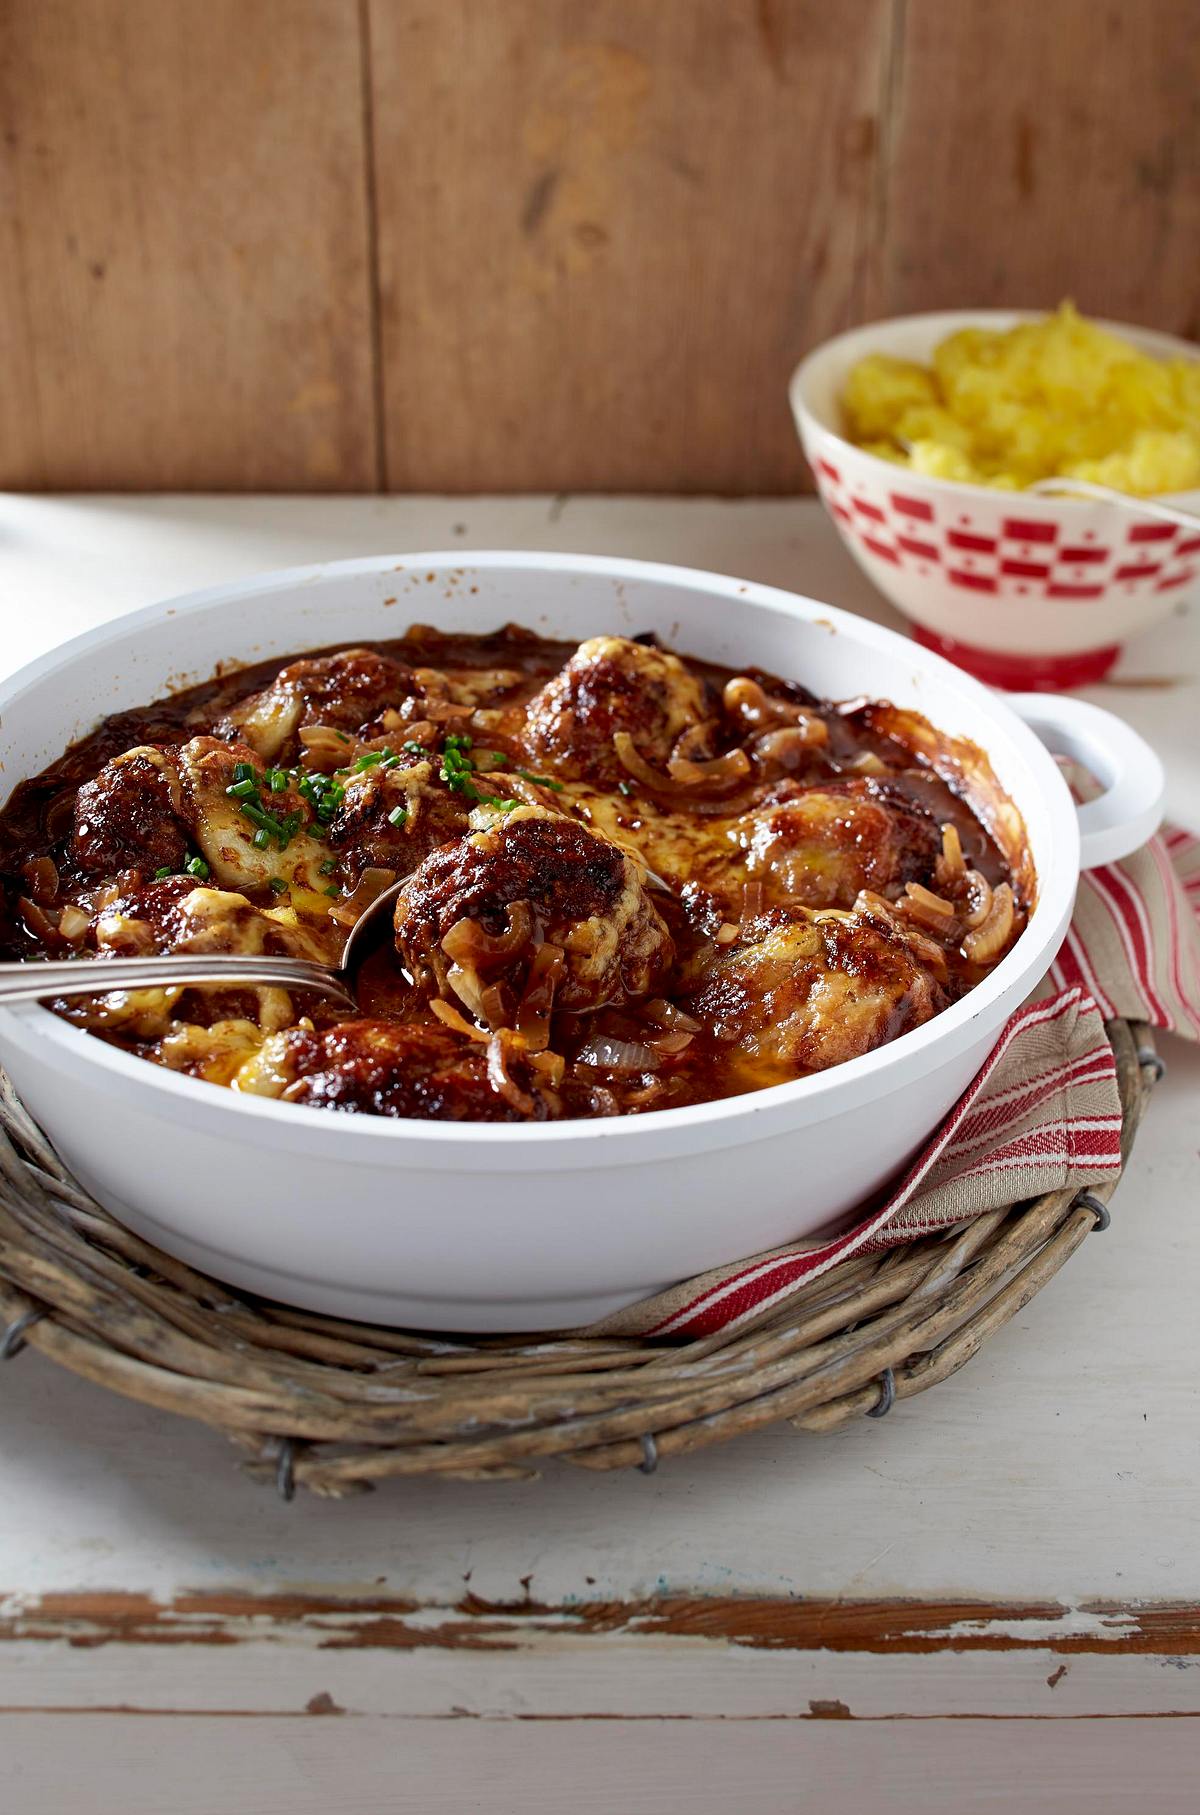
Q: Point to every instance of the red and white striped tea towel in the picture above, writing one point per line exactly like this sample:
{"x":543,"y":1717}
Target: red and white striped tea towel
{"x":1042,"y":1114}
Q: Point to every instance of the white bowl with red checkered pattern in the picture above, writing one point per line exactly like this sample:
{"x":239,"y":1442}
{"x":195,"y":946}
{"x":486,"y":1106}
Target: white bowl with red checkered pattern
{"x":1023,"y":591}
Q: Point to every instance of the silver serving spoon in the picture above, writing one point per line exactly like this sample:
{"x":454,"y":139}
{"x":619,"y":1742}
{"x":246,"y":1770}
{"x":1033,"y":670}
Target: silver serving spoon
{"x":37,"y":978}
{"x":32,"y":980}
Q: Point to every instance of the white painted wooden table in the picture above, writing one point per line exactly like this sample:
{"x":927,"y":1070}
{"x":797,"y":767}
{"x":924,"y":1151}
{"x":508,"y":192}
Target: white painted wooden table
{"x":932,"y":1612}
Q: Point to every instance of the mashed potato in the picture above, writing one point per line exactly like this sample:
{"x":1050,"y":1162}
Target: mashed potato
{"x":1057,"y":398}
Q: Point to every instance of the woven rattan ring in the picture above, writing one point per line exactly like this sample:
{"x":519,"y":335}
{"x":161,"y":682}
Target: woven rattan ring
{"x":338,"y":1407}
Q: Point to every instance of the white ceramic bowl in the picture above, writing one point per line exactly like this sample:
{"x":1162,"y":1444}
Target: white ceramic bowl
{"x":1023,"y":591}
{"x":481,"y":1227}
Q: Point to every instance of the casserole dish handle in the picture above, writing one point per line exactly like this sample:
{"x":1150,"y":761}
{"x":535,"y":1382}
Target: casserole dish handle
{"x":1129,"y":810}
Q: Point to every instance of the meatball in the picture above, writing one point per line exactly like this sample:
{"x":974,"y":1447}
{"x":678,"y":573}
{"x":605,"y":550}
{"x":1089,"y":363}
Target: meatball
{"x":477,"y":911}
{"x":612,"y":685}
{"x":131,"y":816}
{"x":820,"y":846}
{"x":179,"y":915}
{"x":348,"y":691}
{"x":146,"y":809}
{"x":810,"y":993}
{"x":390,"y":818}
{"x":382,"y":1068}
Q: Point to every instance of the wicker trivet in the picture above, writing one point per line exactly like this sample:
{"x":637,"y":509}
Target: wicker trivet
{"x":338,"y":1406}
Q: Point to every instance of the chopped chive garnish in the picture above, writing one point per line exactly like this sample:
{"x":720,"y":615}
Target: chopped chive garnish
{"x":389,"y":762}
{"x":342,"y":734}
{"x":414,"y":748}
{"x":196,"y":866}
{"x":367,"y":760}
{"x":397,"y":816}
{"x":329,"y":867}
{"x":243,"y":790}
{"x":543,"y":781}
{"x":626,"y":788}
{"x":278,"y":885}
{"x":278,"y":781}
{"x":161,"y":875}
{"x":262,"y":838}
{"x":243,"y":772}
{"x":333,"y":891}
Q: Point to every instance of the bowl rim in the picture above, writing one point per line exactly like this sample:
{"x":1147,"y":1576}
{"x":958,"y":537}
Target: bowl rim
{"x":856,"y":1080}
{"x":811,"y":422}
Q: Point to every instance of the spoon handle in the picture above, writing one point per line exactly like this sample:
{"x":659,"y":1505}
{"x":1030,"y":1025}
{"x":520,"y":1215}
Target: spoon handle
{"x":96,"y":976}
{"x":1145,"y":507}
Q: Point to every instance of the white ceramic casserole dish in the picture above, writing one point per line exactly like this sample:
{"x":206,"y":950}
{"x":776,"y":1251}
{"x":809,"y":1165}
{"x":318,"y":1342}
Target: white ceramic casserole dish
{"x":484,"y":1227}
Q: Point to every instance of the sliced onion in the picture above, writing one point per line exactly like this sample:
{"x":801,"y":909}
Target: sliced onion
{"x":467,"y":987}
{"x":501,"y":1079}
{"x":498,"y":1006}
{"x":951,"y":869}
{"x":451,"y":1017}
{"x":326,"y":748}
{"x":752,"y":900}
{"x":695,"y":742}
{"x":979,"y":896}
{"x":42,"y":876}
{"x":617,"y":1055}
{"x":550,"y":1065}
{"x":745,"y":699}
{"x":984,"y":944}
{"x":790,"y":745}
{"x":443,"y":711}
{"x":73,"y":923}
{"x":931,"y":911}
{"x":468,"y":940}
{"x":368,"y":888}
{"x":874,"y":907}
{"x":638,"y":1099}
{"x":733,"y":766}
{"x":669,"y":1014}
{"x":537,"y":1003}
{"x":668,"y":1045}
{"x":934,"y":904}
{"x":42,"y":925}
{"x":867,"y":763}
{"x":420,"y":731}
{"x":637,"y":765}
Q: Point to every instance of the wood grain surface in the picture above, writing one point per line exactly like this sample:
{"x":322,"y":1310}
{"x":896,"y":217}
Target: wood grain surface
{"x":184,"y":281}
{"x":1042,"y":149}
{"x":366,"y":245}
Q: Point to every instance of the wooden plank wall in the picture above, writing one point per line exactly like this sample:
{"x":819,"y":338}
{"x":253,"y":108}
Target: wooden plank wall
{"x":356,"y":245}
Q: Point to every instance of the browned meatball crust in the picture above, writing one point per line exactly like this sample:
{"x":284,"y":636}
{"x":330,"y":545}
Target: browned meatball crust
{"x":394,"y":1069}
{"x":131,"y":815}
{"x":819,"y":846}
{"x":574,"y":890}
{"x":149,"y":808}
{"x":810,"y":993}
{"x":613,"y":685}
{"x":348,"y":691}
{"x":391,"y":818}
